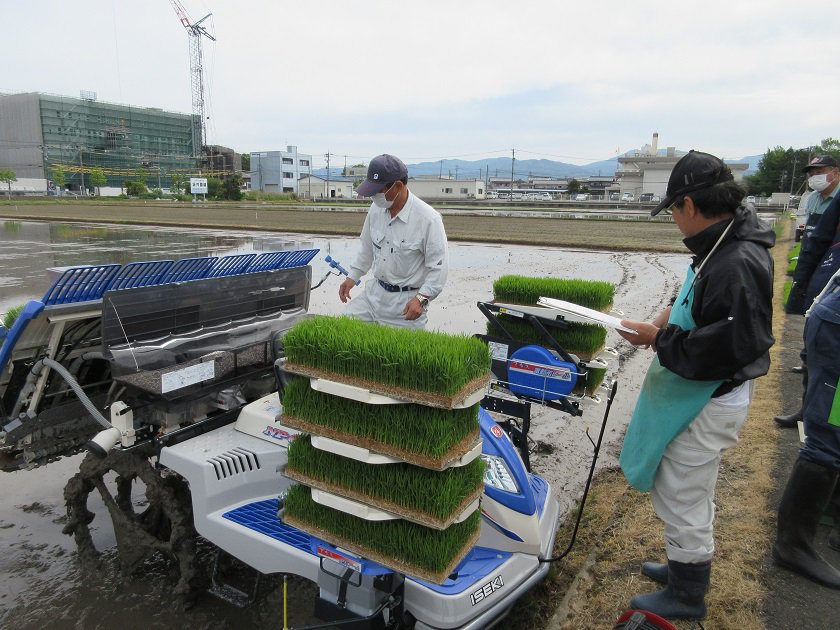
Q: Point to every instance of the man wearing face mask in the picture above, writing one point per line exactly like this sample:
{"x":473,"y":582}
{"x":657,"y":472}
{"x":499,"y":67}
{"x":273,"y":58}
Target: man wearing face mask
{"x":823,"y":177}
{"x":403,"y":244}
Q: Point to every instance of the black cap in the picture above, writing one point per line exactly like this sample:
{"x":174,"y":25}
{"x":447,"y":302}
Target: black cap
{"x":383,"y":170}
{"x":694,"y":171}
{"x":820,"y":160}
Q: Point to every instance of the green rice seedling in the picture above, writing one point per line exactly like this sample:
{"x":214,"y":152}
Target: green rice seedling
{"x":410,"y":428}
{"x":439,"y":495}
{"x":594,"y":378}
{"x":412,"y":359}
{"x":584,"y":340}
{"x":526,"y":290}
{"x":404,"y":546}
{"x":10,"y":316}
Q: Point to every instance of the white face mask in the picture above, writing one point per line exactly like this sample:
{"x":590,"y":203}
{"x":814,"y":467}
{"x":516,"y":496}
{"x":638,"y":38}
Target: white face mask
{"x":381,"y":202}
{"x":819,"y":182}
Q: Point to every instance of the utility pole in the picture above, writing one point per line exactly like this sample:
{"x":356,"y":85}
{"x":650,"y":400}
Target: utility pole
{"x":793,"y":177}
{"x":440,"y":175}
{"x":82,"y":172}
{"x":512,"y":162}
{"x":327,"y":155}
{"x":456,"y":172}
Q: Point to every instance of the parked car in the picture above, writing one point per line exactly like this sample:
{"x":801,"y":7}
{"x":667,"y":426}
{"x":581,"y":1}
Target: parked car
{"x":546,"y":197}
{"x":627,"y":197}
{"x":515,"y":196}
{"x":581,"y":197}
{"x":504,"y":195}
{"x":491,"y":194}
{"x":751,"y":199}
{"x":614,"y":196}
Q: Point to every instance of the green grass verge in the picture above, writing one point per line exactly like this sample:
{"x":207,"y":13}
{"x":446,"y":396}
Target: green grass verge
{"x":429,"y":549}
{"x":415,"y":428}
{"x":793,"y":258}
{"x":418,"y":489}
{"x":415,"y":359}
{"x":593,"y":294}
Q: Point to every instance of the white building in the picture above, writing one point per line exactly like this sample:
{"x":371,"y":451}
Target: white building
{"x":645,"y":171}
{"x":443,"y":189}
{"x":279,"y":171}
{"x":316,"y":187}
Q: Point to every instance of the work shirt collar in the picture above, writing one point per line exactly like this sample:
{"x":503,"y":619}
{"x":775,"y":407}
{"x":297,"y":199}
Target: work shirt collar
{"x":405,"y":212}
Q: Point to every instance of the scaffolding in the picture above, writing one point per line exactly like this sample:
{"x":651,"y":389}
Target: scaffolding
{"x":122,"y":141}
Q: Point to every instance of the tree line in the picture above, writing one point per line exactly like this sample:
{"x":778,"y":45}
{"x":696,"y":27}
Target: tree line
{"x":780,"y":169}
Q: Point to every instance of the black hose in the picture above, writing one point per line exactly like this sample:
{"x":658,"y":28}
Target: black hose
{"x":589,"y":478}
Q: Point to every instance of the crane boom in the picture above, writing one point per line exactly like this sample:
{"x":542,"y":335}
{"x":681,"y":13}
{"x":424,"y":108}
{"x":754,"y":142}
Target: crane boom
{"x":195,"y":31}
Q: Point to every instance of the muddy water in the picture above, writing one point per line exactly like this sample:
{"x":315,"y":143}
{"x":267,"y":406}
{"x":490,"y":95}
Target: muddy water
{"x":41,"y":583}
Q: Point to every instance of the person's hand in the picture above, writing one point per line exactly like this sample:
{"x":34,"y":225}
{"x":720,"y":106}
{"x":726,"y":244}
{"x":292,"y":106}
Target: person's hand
{"x":645,"y":334}
{"x":797,"y":291}
{"x":344,"y":289}
{"x":413,"y":309}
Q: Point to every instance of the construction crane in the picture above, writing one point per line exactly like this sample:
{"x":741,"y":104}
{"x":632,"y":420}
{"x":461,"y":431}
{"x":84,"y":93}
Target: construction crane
{"x":195,"y":31}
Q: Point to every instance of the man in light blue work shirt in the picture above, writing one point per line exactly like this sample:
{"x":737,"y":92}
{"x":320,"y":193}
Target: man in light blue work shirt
{"x":403,"y":244}
{"x":823,"y":178}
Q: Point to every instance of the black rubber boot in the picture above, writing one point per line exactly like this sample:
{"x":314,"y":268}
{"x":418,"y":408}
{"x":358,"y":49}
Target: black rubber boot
{"x":789,"y":421}
{"x":834,"y":535}
{"x":808,"y":491}
{"x":656,"y":571}
{"x":685,"y":595}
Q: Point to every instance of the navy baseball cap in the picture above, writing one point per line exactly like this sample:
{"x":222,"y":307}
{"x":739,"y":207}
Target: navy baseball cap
{"x":820,"y":160}
{"x":383,"y":170}
{"x":694,"y":171}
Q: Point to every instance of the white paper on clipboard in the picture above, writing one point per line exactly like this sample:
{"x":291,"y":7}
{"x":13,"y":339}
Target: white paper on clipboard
{"x":582,"y":315}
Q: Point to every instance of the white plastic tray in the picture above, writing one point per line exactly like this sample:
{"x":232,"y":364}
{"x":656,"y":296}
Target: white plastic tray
{"x":368,"y":512}
{"x":367,"y":456}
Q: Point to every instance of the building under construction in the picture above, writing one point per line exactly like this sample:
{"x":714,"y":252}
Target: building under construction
{"x":43,"y":134}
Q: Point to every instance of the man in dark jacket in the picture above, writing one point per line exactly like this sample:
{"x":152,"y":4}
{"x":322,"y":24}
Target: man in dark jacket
{"x":818,"y":259}
{"x":815,"y":473}
{"x":699,"y":386}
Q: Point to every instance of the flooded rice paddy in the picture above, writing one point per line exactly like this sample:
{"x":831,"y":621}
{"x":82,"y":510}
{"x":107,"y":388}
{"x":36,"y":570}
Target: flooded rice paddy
{"x":44,"y":585}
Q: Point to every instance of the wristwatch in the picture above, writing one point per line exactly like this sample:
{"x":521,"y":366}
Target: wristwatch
{"x":424,"y":301}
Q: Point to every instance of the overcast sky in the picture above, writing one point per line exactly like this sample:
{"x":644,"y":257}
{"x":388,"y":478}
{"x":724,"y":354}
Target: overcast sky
{"x":427,"y":79}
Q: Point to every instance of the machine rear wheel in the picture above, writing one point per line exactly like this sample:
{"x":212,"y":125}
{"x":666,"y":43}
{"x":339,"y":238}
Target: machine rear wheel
{"x":162,"y":524}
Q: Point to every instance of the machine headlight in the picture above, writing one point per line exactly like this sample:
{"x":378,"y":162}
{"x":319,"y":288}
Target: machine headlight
{"x":497,"y":474}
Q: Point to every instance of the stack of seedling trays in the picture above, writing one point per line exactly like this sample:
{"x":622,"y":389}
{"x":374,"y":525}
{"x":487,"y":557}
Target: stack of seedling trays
{"x":586,"y":341}
{"x":389,"y":466}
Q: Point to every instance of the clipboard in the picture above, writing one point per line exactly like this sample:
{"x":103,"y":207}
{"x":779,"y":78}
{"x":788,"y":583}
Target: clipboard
{"x":583,"y":315}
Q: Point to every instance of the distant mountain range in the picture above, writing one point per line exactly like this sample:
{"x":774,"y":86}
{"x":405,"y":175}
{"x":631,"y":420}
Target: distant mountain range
{"x":500,"y":167}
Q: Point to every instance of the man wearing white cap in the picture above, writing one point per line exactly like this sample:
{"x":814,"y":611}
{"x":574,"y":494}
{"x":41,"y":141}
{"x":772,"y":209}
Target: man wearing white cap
{"x":403,"y":244}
